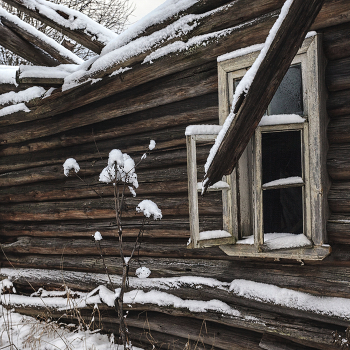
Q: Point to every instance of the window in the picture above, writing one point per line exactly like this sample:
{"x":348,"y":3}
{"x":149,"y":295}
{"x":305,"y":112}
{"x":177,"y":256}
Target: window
{"x":274,"y":202}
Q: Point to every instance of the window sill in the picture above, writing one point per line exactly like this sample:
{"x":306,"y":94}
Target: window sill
{"x":245,"y":250}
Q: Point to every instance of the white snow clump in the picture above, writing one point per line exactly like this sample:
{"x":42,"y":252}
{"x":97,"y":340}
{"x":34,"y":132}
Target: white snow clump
{"x":149,"y":208}
{"x":69,"y":164}
{"x":125,"y":167}
{"x":152,"y":144}
{"x":143,"y":272}
{"x":97,"y":236}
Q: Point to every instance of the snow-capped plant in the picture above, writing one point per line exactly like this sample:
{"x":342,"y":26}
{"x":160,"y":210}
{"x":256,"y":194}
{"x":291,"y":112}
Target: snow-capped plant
{"x":70,"y":164}
{"x":120,"y":172}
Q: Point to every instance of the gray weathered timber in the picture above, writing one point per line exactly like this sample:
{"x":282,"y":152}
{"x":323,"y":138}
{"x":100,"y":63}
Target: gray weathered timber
{"x":271,"y":342}
{"x":338,"y":162}
{"x":16,"y":44}
{"x":338,"y":103}
{"x":325,"y":278}
{"x":36,"y":41}
{"x":339,"y":130}
{"x":83,"y":37}
{"x":338,"y":73}
{"x":184,"y":112}
{"x":336,"y":45}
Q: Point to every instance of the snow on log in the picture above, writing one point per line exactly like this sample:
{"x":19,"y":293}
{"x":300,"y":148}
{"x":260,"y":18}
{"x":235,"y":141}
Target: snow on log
{"x":70,"y":22}
{"x":37,"y":38}
{"x":21,"y":47}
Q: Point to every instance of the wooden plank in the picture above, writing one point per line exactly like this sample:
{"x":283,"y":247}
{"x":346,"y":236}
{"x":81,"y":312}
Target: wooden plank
{"x":284,"y":47}
{"x":247,"y":250}
{"x":170,"y":146}
{"x":83,"y":37}
{"x":338,"y":130}
{"x":336,"y":45}
{"x":187,"y":84}
{"x":338,"y":162}
{"x":272,"y":342}
{"x":328,"y":278}
{"x":184,"y":112}
{"x":315,"y":334}
{"x":16,"y":44}
{"x":38,"y":42}
{"x":338,"y":103}
{"x":338,"y":74}
{"x":103,"y":208}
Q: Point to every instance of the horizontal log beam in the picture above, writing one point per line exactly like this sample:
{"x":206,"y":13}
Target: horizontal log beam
{"x":338,"y":162}
{"x":83,"y":36}
{"x":338,"y":103}
{"x":339,"y":130}
{"x":336,"y":45}
{"x":91,"y":209}
{"x":184,"y":112}
{"x":338,"y":74}
{"x":314,"y":333}
{"x":328,"y":278}
{"x":184,"y":85}
{"x":58,"y":52}
{"x":169,"y":151}
{"x":16,"y":44}
{"x":338,"y":228}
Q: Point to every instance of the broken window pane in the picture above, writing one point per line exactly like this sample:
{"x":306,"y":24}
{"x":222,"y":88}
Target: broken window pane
{"x":281,"y":155}
{"x":283,"y":210}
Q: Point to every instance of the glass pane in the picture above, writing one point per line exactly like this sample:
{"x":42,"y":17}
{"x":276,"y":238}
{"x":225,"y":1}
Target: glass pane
{"x":288,"y":98}
{"x":281,"y":155}
{"x":283,"y":210}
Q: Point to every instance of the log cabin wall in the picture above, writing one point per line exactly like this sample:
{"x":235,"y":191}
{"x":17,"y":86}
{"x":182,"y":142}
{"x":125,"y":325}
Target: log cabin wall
{"x":47,"y":219}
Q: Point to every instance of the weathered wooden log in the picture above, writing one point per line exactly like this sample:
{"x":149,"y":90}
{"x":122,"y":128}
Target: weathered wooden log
{"x":148,"y":96}
{"x":326,"y":278}
{"x":272,"y":342}
{"x":5,"y":88}
{"x":185,"y":112}
{"x":47,"y":173}
{"x":338,"y":229}
{"x":199,"y":7}
{"x":339,"y":129}
{"x":42,"y":246}
{"x":338,"y":162}
{"x":194,"y":82}
{"x":38,"y":42}
{"x":103,"y":208}
{"x":13,"y":42}
{"x":75,"y":189}
{"x":336,"y":45}
{"x":92,"y":157}
{"x":313,"y":333}
{"x":83,"y":36}
{"x":338,"y":74}
{"x":338,"y":103}
{"x":87,"y":93}
{"x":168,"y":227}
{"x":339,"y":197}
{"x":250,"y":35}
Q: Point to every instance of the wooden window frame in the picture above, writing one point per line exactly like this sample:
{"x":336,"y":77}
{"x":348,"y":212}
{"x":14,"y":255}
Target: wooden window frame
{"x":239,"y":215}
